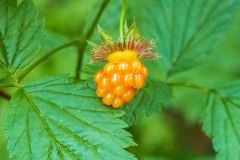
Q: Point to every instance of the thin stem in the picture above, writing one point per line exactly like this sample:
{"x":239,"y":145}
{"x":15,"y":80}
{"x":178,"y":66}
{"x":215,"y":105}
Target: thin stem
{"x":193,"y":86}
{"x":5,"y":95}
{"x":10,"y":85}
{"x":122,"y":20}
{"x":86,"y":37}
{"x":45,"y":57}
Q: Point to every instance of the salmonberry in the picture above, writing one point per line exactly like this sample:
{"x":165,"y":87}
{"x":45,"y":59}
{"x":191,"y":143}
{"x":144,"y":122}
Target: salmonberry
{"x":119,"y":80}
{"x":124,"y":73}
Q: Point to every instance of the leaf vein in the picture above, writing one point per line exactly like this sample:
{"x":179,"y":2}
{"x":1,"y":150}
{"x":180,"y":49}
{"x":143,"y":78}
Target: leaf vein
{"x":80,"y":139}
{"x":191,"y":40}
{"x":28,"y":134}
{"x":226,"y":108}
{"x":69,"y":113}
{"x":64,"y":93}
{"x":34,"y":107}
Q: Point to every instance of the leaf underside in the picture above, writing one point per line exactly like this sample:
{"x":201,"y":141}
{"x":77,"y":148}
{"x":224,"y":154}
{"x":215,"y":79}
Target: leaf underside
{"x":221,"y":121}
{"x":58,"y":118}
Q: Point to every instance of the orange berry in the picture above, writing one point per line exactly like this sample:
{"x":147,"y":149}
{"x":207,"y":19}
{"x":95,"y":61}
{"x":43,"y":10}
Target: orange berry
{"x":115,"y":78}
{"x":128,"y":79}
{"x":120,"y":90}
{"x":108,"y":99}
{"x":144,"y":71}
{"x":128,"y":95}
{"x":138,"y":81}
{"x":136,"y":65}
{"x":101,"y":92}
{"x":117,"y":82}
{"x":104,"y":82}
{"x":109,"y":68}
{"x":117,"y":102}
{"x":98,"y":76}
{"x":123,"y":65}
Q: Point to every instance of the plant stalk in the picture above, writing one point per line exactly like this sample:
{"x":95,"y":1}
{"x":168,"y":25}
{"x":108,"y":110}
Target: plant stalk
{"x":86,"y":37}
{"x":122,"y":20}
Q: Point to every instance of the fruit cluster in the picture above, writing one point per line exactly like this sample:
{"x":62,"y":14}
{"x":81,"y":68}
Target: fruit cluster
{"x":118,"y":81}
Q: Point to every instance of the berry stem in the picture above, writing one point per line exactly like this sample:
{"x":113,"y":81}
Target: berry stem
{"x":122,"y":20}
{"x":86,"y":37}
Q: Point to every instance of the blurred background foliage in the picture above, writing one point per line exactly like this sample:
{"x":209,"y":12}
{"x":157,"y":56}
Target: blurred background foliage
{"x":173,"y":134}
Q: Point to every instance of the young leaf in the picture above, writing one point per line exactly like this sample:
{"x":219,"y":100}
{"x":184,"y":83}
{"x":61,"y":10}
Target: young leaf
{"x":221,"y":121}
{"x":147,"y":101}
{"x":59,"y":118}
{"x":185,"y":30}
{"x":21,"y":30}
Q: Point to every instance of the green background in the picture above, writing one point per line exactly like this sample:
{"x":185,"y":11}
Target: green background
{"x":173,"y":134}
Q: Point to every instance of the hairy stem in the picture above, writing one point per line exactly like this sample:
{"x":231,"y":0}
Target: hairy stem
{"x":86,"y":37}
{"x":45,"y":57}
{"x":122,"y":20}
{"x":4,"y":95}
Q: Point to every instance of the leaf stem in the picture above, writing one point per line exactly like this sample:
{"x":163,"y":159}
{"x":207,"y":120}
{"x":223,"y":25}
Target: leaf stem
{"x":45,"y":57}
{"x":86,"y":37}
{"x":193,"y":86}
{"x":122,"y":20}
{"x":10,"y":85}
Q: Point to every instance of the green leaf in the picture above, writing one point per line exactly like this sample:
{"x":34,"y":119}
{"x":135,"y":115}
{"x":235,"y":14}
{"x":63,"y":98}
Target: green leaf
{"x":221,"y":121}
{"x":185,"y":30}
{"x":21,"y":31}
{"x":59,"y":118}
{"x":147,"y":101}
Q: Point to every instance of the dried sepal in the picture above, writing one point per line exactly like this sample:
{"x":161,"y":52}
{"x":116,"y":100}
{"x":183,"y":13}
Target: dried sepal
{"x":143,"y":49}
{"x":132,"y":41}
